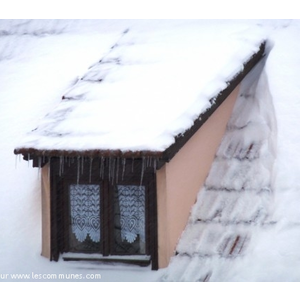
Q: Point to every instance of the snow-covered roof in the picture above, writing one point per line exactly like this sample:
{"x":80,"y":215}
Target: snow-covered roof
{"x":148,"y":88}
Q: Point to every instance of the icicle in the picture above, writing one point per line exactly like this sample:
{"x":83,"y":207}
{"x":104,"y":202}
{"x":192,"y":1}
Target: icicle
{"x":154,"y":164}
{"x":60,"y":165}
{"x":91,"y":165}
{"x":78,"y":169}
{"x":113,"y":170}
{"x":28,"y":159}
{"x":143,"y":170}
{"x":39,"y":166}
{"x":132,"y":165}
{"x":82,"y":165}
{"x":49,"y":168}
{"x":102,"y":168}
{"x":117,"y":169}
{"x":59,"y":168}
{"x":16,"y":161}
{"x":20,"y":157}
{"x":109,"y":167}
{"x":123,"y":167}
{"x":150,"y":162}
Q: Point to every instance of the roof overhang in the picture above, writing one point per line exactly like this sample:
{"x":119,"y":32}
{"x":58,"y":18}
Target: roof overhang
{"x":180,"y":139}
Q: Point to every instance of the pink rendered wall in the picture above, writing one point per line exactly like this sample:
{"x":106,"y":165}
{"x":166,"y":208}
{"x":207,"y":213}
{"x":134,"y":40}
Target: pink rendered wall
{"x":180,"y":180}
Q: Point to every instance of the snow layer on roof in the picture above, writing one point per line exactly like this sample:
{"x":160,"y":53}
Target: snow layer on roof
{"x":148,"y":86}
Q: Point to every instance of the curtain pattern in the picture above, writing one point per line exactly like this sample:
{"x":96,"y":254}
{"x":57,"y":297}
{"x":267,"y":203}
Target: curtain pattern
{"x":85,"y":211}
{"x":132,"y":212}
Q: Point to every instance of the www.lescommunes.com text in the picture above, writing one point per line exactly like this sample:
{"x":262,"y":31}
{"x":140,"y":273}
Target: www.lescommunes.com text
{"x":37,"y":276}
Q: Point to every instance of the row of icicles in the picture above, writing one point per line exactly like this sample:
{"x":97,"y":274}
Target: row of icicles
{"x":116,"y":166}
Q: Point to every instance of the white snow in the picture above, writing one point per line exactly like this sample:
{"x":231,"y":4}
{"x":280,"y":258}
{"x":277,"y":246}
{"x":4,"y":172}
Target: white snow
{"x":153,"y":86}
{"x":263,"y":189}
{"x":237,"y":198}
{"x":39,"y":61}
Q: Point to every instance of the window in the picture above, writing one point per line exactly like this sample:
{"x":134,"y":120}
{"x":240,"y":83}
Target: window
{"x":129,"y":219}
{"x":83,"y":219}
{"x":105,"y":207}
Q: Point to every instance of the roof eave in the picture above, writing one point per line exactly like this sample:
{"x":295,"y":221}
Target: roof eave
{"x":180,"y":140}
{"x":30,"y":153}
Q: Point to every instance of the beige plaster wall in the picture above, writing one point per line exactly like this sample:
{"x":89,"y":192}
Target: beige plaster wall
{"x":46,"y":211}
{"x":180,"y":180}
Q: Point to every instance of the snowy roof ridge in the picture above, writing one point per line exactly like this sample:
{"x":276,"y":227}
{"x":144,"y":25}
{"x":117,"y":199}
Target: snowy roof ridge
{"x":96,"y":72}
{"x":99,"y":136}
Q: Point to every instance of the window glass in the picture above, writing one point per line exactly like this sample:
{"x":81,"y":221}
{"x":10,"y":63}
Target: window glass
{"x":129,"y":219}
{"x":84,"y":216}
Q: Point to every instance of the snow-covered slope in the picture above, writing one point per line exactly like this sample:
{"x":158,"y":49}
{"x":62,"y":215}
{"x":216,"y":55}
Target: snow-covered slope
{"x":257,"y":237}
{"x":237,"y":199}
{"x":148,"y":87}
{"x":39,"y":61}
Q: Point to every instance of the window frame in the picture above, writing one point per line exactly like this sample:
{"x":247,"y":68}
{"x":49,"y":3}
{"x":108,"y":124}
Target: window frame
{"x":111,"y":209}
{"x":62,"y":174}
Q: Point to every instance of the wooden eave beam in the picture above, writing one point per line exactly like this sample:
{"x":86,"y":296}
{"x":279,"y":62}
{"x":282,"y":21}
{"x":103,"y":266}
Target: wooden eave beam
{"x":30,"y":153}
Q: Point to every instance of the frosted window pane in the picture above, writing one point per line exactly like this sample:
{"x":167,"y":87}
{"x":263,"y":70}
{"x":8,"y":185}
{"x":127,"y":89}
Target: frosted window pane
{"x":85,"y":211}
{"x":132,"y":212}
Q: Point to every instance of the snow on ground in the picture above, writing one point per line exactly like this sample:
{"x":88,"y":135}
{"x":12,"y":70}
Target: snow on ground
{"x":32,"y":84}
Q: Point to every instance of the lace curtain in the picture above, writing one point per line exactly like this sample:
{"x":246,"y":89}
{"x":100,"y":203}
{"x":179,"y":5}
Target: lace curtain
{"x":132,"y":212}
{"x":85,"y":211}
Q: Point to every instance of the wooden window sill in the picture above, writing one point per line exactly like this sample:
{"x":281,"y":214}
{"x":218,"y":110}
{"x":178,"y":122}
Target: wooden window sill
{"x":141,"y":260}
